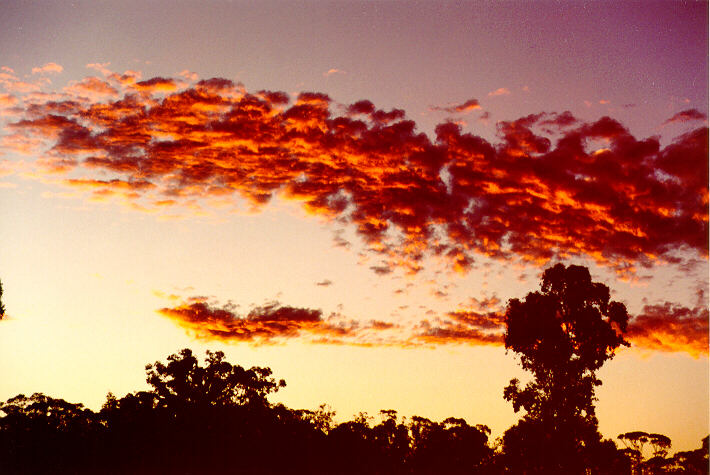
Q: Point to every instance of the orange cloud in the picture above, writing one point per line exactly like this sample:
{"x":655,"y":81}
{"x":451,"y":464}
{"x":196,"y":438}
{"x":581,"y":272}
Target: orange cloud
{"x":544,"y":190}
{"x":12,"y":83}
{"x":263,"y":325}
{"x":156,"y":85}
{"x":7,"y":100}
{"x":467,"y":106}
{"x":103,"y":189}
{"x":503,"y":91}
{"x":665,"y":327}
{"x":100,"y":67}
{"x":48,"y":68}
{"x":92,"y":88}
{"x":670,"y":327}
{"x":332,"y":71}
{"x":479,"y":322}
{"x":456,"y":334}
{"x":275,"y":323}
{"x":189,"y":75}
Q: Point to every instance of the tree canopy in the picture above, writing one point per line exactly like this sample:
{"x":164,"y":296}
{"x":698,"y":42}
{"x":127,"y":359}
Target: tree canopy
{"x":183,"y":381}
{"x":2,"y":305}
{"x":563,"y":334}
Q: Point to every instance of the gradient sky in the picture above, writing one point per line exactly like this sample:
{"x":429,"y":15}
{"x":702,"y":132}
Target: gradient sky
{"x":349,"y":193}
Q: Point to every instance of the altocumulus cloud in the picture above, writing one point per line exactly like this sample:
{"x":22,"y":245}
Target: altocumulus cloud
{"x":273,"y":323}
{"x":465,"y":107}
{"x":687,"y":115}
{"x":552,"y":186}
{"x":261,"y":325}
{"x":665,"y":327}
{"x":670,"y":327}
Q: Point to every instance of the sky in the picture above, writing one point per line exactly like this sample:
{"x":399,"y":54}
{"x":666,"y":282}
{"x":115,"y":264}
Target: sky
{"x":349,"y":193}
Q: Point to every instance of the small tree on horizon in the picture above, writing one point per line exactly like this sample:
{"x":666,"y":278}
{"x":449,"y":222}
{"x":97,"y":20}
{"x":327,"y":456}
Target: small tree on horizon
{"x":2,"y":305}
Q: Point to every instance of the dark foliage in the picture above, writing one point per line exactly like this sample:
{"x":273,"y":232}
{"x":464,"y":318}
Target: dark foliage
{"x":2,"y":305}
{"x":40,"y":432}
{"x":563,"y":335}
{"x":693,"y":461}
{"x":216,"y":417}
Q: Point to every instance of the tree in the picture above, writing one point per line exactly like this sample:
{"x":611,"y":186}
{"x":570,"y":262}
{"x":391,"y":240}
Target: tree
{"x":184,"y":382}
{"x":451,"y":446}
{"x":693,"y":461}
{"x":391,"y":439}
{"x":660,"y":444}
{"x":2,"y":305}
{"x":351,"y":446}
{"x":563,"y":335}
{"x":634,"y":442}
{"x":41,"y":434}
{"x":321,"y":419}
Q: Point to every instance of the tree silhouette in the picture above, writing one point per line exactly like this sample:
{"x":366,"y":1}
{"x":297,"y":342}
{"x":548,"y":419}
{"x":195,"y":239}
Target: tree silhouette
{"x":659,"y":444}
{"x":657,"y":461}
{"x":391,"y":442}
{"x":207,"y":418}
{"x":693,"y":461}
{"x":451,"y":446}
{"x":634,"y":442}
{"x":39,"y":432}
{"x":563,"y":335}
{"x":2,"y":305}
{"x":184,"y":382}
{"x":215,"y":418}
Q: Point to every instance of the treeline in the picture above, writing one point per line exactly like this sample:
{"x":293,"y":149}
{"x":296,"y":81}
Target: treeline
{"x":216,"y":418}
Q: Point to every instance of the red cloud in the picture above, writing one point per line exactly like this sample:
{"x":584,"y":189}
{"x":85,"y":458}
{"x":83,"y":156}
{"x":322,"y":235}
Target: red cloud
{"x":462,"y":328}
{"x":262,"y":325}
{"x":670,"y":327}
{"x":276,"y":323}
{"x":687,"y":115}
{"x":664,"y":327}
{"x":467,"y":106}
{"x":156,"y":85}
{"x":544,"y":190}
{"x":480,"y":322}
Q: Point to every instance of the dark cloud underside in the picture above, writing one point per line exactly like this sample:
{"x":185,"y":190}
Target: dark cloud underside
{"x":553,"y":186}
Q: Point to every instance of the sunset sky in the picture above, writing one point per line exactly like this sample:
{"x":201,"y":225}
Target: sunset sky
{"x":350,"y":193}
